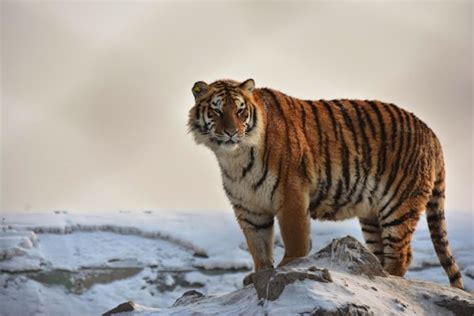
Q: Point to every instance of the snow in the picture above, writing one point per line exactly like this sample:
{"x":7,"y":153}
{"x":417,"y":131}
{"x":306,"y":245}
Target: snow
{"x":56,"y":262}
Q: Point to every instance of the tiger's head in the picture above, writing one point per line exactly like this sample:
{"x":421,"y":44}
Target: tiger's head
{"x":225,"y":116}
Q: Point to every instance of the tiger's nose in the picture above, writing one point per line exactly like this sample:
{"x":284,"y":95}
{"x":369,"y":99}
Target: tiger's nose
{"x":231,"y":132}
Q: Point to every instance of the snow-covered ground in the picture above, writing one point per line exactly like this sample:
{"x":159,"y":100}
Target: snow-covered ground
{"x":60,"y":263}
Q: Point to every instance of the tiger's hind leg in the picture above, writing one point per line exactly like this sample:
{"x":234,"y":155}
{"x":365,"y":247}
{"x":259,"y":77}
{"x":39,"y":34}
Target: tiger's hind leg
{"x":373,"y":236}
{"x":398,"y":224}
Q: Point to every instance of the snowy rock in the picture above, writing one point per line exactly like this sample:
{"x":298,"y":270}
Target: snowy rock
{"x":189,"y":297}
{"x":270,"y":283}
{"x":124,"y":307}
{"x":16,"y":243}
{"x":347,"y":310}
{"x":347,"y":254}
{"x":344,"y":278}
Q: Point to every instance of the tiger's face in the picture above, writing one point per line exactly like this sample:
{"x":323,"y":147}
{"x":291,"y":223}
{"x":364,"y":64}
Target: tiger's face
{"x":224,"y":115}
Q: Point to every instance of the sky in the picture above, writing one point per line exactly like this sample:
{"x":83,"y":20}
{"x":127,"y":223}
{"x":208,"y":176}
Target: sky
{"x":95,"y":96}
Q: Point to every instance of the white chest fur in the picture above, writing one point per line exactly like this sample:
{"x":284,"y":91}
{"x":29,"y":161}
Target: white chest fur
{"x":245,"y":180}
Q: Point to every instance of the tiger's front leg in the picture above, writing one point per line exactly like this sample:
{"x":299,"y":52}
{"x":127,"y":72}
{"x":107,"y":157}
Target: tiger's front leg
{"x":258,"y":231}
{"x":294,"y":221}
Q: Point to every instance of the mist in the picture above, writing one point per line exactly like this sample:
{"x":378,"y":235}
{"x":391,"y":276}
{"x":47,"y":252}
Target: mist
{"x":95,"y":96}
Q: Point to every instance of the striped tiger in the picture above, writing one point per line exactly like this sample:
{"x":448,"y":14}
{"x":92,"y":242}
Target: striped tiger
{"x":332,"y":160}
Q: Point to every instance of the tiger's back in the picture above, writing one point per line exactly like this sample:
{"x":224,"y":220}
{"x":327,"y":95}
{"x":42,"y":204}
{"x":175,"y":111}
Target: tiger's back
{"x":332,"y":160}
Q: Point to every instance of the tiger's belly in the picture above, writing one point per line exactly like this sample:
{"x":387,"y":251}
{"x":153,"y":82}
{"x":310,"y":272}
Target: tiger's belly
{"x":363,"y":204}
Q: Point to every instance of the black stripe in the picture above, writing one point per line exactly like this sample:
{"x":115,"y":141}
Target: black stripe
{"x":382,"y":156}
{"x":455,"y":277}
{"x":416,"y":148}
{"x":291,"y":102}
{"x":250,"y":164}
{"x":413,"y":214}
{"x":437,"y":193}
{"x":258,"y":226}
{"x":253,"y":119}
{"x":435,"y":217}
{"x":440,"y":245}
{"x":327,"y":179}
{"x":331,"y":117}
{"x":247,"y":210}
{"x":369,"y":241}
{"x":277,"y":182}
{"x":314,"y":111}
{"x":361,"y":124}
{"x":372,"y":224}
{"x":322,"y":195}
{"x":303,"y":118}
{"x":402,"y":238}
{"x":407,"y":137}
{"x":438,"y":235}
{"x":229,"y":194}
{"x":344,"y":149}
{"x":397,"y":246}
{"x":396,"y":167}
{"x":366,"y":230}
{"x":264,"y":175}
{"x":393,"y":122}
{"x":344,"y":156}
{"x":338,"y":193}
{"x":447,"y":261}
{"x":391,"y":256}
{"x":369,"y":121}
{"x":227,"y":175}
{"x":349,"y":123}
{"x":411,"y":144}
{"x":322,"y":180}
{"x":304,"y":168}
{"x":432,"y":205}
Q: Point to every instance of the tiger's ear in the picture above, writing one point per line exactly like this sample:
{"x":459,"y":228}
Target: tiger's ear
{"x":248,"y":85}
{"x":200,"y":88}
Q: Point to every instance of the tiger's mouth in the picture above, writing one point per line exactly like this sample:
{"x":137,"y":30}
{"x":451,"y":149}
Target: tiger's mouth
{"x":231,"y":142}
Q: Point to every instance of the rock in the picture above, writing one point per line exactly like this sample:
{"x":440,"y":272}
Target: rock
{"x":349,"y":253}
{"x":458,"y":306}
{"x":189,"y":297}
{"x":347,"y":310}
{"x":270,"y":283}
{"x":124,"y":307}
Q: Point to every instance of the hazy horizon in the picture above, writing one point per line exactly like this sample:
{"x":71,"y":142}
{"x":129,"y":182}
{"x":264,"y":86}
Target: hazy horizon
{"x":95,"y":96}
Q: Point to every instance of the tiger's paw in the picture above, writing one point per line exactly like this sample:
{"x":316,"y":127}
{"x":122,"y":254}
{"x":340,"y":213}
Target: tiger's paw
{"x":248,"y":279}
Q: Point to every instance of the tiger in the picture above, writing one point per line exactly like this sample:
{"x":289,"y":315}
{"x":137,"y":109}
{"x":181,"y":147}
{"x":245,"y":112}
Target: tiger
{"x":298,"y":160}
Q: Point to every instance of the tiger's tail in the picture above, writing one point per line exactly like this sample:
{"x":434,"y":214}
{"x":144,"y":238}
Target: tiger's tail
{"x":437,"y":226}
